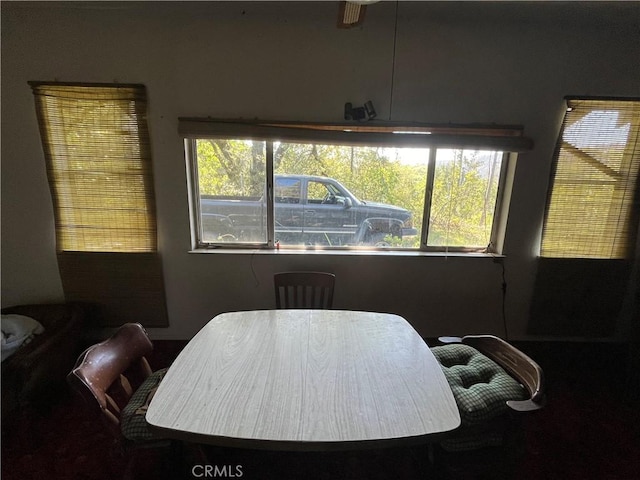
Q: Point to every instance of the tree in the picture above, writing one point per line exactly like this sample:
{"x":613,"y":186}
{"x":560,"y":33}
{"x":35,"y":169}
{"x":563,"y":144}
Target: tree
{"x":231,"y":167}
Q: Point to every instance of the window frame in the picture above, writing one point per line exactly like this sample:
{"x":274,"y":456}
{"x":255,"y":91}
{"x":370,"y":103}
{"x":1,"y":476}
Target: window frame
{"x":509,"y":138}
{"x":498,"y":226}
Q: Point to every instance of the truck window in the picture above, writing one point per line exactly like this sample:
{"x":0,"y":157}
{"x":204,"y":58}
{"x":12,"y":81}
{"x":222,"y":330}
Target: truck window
{"x":287,"y":190}
{"x":321,"y":192}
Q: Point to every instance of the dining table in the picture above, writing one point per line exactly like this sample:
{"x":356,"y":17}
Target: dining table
{"x":295,"y":379}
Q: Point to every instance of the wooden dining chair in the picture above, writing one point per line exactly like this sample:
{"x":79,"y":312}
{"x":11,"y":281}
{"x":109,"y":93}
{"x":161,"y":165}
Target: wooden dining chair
{"x":116,"y":382}
{"x":493,"y":383}
{"x":304,"y":289}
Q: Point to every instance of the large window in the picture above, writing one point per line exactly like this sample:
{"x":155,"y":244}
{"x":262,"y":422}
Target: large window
{"x":332,"y":187}
{"x":593,"y":200}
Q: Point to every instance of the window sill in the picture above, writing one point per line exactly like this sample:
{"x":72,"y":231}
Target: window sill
{"x":340,"y":253}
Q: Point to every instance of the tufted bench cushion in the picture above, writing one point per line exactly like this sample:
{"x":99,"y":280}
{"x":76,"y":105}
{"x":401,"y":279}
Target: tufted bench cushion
{"x":133,"y":423}
{"x":480,"y":386}
{"x":481,"y":389}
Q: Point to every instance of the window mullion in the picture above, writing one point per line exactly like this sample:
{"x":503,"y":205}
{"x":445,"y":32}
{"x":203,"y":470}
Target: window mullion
{"x":193,"y":186}
{"x":505,"y":181}
{"x":270,"y":199}
{"x":431,"y":172}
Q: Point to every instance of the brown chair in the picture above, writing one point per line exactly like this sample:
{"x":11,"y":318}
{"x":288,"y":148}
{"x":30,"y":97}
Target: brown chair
{"x":304,"y":289}
{"x":491,"y":397}
{"x":108,"y":374}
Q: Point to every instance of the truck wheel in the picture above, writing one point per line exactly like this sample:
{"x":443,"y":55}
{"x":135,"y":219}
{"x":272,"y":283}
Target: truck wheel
{"x":378,"y":240}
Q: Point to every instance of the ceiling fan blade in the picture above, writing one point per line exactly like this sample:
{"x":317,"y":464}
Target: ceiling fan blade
{"x":351,"y":14}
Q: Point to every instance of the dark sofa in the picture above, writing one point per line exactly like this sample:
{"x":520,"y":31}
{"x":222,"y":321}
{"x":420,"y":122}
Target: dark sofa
{"x":43,"y":363}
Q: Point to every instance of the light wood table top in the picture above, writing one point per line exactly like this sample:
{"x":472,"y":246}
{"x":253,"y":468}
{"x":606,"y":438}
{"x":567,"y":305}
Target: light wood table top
{"x":304,"y":380}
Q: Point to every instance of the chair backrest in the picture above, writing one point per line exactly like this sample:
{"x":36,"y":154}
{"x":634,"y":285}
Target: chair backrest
{"x":517,"y":364}
{"x":304,"y":289}
{"x":106,"y":374}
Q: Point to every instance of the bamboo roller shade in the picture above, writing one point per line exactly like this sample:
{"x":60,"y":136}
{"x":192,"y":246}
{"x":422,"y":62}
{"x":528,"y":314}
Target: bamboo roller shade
{"x":97,"y":151}
{"x":593,"y":203}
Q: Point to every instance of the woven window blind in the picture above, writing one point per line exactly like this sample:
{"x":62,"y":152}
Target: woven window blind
{"x":592,"y":208}
{"x":97,"y":151}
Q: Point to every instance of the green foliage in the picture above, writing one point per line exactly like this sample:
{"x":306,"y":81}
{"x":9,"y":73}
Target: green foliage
{"x":231,"y":167}
{"x":463,"y":201}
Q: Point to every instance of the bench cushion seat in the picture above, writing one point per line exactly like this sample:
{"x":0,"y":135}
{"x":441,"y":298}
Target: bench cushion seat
{"x":133,"y":423}
{"x":481,"y":389}
{"x":480,"y":386}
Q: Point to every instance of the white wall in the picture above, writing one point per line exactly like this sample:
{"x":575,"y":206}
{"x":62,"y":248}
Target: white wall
{"x":462,"y":63}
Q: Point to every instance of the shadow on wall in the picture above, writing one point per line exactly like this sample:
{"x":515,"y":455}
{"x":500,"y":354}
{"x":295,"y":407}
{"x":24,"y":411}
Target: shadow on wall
{"x":578,"y":297}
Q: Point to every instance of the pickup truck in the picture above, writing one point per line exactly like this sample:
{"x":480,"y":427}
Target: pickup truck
{"x":309,"y":210}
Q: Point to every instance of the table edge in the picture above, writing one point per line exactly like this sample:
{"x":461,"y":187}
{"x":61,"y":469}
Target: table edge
{"x":300,"y":445}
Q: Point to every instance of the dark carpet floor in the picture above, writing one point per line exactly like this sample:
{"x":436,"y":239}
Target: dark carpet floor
{"x":587,"y":431}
